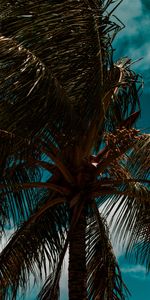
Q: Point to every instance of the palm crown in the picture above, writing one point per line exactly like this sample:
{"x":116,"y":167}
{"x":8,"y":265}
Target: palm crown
{"x":68,"y":146}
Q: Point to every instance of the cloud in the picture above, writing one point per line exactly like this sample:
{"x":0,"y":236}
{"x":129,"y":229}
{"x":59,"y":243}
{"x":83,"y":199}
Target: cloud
{"x":134,"y":40}
{"x":135,"y":271}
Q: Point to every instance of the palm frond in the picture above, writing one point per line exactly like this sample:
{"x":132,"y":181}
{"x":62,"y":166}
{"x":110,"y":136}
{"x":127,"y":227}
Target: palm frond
{"x":23,"y":178}
{"x":118,"y":144}
{"x":72,"y":40}
{"x":51,"y":290}
{"x":25,"y":108}
{"x":138,"y":158}
{"x":125,"y":100}
{"x":129,"y":177}
{"x":18,"y":204}
{"x":104,"y":276}
{"x":126,"y":213}
{"x":140,"y":243}
{"x":35,"y":244}
{"x":11,"y":144}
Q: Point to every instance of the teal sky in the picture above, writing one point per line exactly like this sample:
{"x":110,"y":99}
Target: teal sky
{"x":134,"y":42}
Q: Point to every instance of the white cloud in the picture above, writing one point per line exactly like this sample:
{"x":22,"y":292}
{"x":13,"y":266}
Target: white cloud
{"x":135,"y":271}
{"x":133,"y":40}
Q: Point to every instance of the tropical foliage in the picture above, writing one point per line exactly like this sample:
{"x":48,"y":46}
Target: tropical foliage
{"x":68,"y":146}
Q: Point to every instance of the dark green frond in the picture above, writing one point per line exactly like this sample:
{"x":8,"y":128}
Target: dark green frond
{"x":30,"y":96}
{"x":11,"y":144}
{"x":51,"y":288}
{"x":35,"y":244}
{"x":73,"y":40}
{"x":138,"y":159}
{"x":127,"y":213}
{"x":125,"y":100}
{"x":18,"y":205}
{"x":130,"y":175}
{"x":140,"y":242}
{"x":104,"y":277}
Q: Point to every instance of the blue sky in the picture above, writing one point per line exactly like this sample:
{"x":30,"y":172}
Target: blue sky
{"x":134,"y":42}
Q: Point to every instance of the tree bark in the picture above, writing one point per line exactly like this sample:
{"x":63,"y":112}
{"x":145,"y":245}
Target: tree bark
{"x":77,"y":262}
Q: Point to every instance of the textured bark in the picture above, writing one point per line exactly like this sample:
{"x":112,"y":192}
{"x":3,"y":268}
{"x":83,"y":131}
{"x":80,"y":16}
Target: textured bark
{"x":77,"y":262}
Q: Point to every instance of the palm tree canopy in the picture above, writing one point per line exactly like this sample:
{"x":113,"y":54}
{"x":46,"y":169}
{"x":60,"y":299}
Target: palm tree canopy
{"x":67,"y":111}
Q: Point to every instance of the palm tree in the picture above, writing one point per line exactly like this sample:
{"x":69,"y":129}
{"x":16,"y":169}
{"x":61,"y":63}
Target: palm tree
{"x":67,"y":146}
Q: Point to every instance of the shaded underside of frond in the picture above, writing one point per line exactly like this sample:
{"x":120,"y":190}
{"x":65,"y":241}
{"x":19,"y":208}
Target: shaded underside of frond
{"x":30,"y":94}
{"x":141,"y":239}
{"x":128,"y":208}
{"x":104,"y":276}
{"x":17,"y":204}
{"x":51,"y":288}
{"x":69,"y":52}
{"x":125,"y":100}
{"x":129,"y":215}
{"x":138,"y":159}
{"x":34,"y":248}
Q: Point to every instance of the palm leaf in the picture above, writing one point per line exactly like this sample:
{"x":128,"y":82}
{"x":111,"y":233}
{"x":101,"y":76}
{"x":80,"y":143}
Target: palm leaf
{"x":125,"y":100}
{"x":104,"y":277}
{"x":51,"y":286}
{"x":24,"y":178}
{"x":23,"y":102}
{"x":138,"y":159}
{"x":126,"y":213}
{"x":128,"y":206}
{"x":19,"y":204}
{"x":81,"y":62}
{"x":140,"y":242}
{"x":30,"y":249}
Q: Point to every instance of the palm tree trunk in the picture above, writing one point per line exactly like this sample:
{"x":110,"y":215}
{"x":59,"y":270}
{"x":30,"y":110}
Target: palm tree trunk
{"x":77,"y":262}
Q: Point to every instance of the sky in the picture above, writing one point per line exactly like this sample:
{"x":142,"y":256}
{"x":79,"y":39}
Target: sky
{"x":134,"y":42}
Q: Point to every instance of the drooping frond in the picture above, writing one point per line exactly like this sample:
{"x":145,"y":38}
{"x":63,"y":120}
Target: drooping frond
{"x":138,"y":159}
{"x":72,"y":39}
{"x":18,"y":204}
{"x":25,"y":175}
{"x":125,"y":100}
{"x":51,"y":289}
{"x":140,"y":241}
{"x":125,"y":210}
{"x":118,"y":143}
{"x":126,"y":192}
{"x":11,"y":144}
{"x":36,"y":244}
{"x":129,"y":215}
{"x":30,"y":94}
{"x":104,"y":276}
